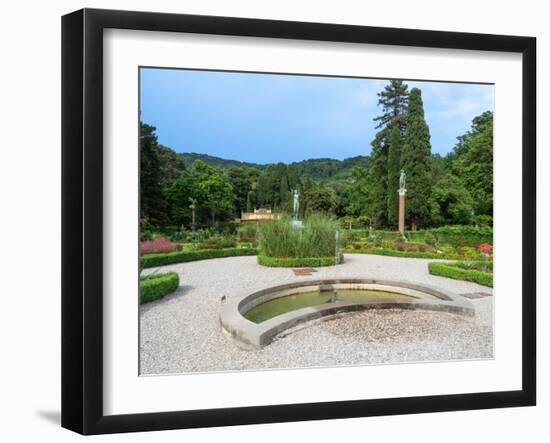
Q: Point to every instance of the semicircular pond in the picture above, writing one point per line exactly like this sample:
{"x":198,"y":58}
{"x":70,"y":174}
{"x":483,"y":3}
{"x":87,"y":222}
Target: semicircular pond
{"x":281,"y":305}
{"x":254,"y":319}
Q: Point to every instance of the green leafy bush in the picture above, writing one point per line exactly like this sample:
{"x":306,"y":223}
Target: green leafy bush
{"x":146,"y":234}
{"x":217,"y":242}
{"x":414,"y":247}
{"x":406,"y":254}
{"x":480,"y":265}
{"x":152,"y":260}
{"x":430,"y":238}
{"x":283,"y":262}
{"x":484,"y":220}
{"x":204,"y":234}
{"x":279,"y":238}
{"x":247,"y":230}
{"x":458,"y":272}
{"x":157,"y":286}
{"x":456,"y":235}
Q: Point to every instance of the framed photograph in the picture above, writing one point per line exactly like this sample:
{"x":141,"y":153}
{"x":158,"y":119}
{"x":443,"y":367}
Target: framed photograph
{"x":269,"y":221}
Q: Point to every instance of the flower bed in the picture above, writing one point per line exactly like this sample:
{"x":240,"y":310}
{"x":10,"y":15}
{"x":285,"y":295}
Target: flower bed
{"x":159,"y":244}
{"x":157,"y":286}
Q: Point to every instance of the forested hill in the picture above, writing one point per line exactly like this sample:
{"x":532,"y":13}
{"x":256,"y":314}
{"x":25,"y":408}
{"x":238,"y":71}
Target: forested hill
{"x":319,"y":169}
{"x":189,"y":157}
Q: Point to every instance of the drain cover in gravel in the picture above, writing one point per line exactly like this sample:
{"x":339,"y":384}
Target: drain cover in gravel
{"x":474,"y":295}
{"x":303,"y":271}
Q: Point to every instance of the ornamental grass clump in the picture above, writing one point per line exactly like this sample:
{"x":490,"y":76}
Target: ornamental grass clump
{"x":316,"y":238}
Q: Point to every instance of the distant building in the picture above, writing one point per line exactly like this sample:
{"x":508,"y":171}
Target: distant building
{"x":258,"y":215}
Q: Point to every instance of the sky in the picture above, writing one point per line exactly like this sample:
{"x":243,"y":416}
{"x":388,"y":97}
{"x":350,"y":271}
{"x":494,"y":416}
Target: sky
{"x":266,"y":118}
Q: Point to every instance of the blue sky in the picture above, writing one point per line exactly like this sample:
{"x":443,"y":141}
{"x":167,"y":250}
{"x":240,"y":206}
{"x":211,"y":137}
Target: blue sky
{"x":265,"y":118}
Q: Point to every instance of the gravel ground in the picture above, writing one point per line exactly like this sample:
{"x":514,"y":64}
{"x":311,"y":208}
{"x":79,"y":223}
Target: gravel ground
{"x":181,"y":333}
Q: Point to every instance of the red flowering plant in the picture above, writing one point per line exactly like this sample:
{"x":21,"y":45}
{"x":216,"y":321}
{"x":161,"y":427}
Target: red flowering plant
{"x":486,"y":248}
{"x":158,"y":244}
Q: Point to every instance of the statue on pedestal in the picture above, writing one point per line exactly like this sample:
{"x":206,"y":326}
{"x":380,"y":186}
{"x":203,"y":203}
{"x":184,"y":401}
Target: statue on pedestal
{"x":402,"y":180}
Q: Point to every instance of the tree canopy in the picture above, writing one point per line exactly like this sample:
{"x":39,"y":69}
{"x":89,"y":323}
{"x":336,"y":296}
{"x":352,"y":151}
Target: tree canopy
{"x":447,"y":189}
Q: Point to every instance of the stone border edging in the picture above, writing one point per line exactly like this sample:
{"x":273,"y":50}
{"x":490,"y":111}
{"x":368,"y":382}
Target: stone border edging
{"x":252,"y":335}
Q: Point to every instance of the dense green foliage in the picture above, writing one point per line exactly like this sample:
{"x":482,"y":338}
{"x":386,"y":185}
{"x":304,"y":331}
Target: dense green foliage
{"x":456,"y":235}
{"x":153,"y":207}
{"x":472,"y":161}
{"x":393,"y":99}
{"x":157,"y":286}
{"x":279,"y":262}
{"x":457,"y":271}
{"x":455,"y":189}
{"x":278,"y":238}
{"x":416,"y":162}
{"x":152,"y":260}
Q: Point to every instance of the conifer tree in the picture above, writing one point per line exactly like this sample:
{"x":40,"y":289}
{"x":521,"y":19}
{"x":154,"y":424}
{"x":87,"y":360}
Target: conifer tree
{"x":416,"y":162}
{"x":393,"y":100}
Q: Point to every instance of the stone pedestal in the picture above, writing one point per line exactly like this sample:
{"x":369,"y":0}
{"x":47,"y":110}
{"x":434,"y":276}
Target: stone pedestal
{"x":401,"y":225}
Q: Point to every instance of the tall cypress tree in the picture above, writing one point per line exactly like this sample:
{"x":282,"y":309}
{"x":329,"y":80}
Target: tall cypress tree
{"x":394,"y":168}
{"x":416,"y":162}
{"x":393,"y":100}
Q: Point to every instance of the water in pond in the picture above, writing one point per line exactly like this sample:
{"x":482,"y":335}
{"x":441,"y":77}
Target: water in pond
{"x":288,"y":303}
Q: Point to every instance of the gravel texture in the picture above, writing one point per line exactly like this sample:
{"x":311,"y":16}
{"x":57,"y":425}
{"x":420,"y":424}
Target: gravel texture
{"x":181,"y":332}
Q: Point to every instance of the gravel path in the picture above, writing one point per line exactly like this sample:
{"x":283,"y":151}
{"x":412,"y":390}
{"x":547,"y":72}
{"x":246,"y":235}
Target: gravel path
{"x":181,"y":333}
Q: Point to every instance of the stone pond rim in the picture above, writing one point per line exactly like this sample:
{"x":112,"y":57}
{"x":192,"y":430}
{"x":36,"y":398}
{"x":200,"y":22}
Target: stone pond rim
{"x":250,"y":335}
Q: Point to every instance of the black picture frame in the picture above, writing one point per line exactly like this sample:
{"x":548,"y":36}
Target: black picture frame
{"x":82,"y":218}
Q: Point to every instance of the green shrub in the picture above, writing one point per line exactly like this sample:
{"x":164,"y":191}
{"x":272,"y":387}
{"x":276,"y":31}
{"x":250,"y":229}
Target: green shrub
{"x":484,"y":220}
{"x":430,"y":238}
{"x":145,"y":234}
{"x":279,"y":238}
{"x":456,"y":235}
{"x":457,"y":272}
{"x":217,"y":242}
{"x":204,"y":234}
{"x":157,"y":286}
{"x":375,"y":239}
{"x":247,"y":230}
{"x":283,"y":262}
{"x":407,"y":254}
{"x":480,"y":265}
{"x":152,"y":260}
{"x":228,"y":228}
{"x":414,"y":247}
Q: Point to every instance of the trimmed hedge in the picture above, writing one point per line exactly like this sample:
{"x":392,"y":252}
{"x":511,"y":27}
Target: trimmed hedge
{"x":152,"y":260}
{"x":405,"y":254}
{"x":157,"y":286}
{"x":455,"y":235}
{"x":454,"y":270}
{"x":283,"y":262}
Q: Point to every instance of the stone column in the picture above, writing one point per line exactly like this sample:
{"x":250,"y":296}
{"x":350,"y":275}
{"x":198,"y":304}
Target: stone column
{"x":402,"y":193}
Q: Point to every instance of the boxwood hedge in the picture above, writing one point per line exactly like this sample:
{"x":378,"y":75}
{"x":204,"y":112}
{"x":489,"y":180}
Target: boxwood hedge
{"x":157,"y":286}
{"x":454,"y":270}
{"x":455,"y":235}
{"x":285,"y":262}
{"x":152,"y":260}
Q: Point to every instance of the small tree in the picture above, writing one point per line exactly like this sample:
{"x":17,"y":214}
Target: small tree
{"x":451,"y":202}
